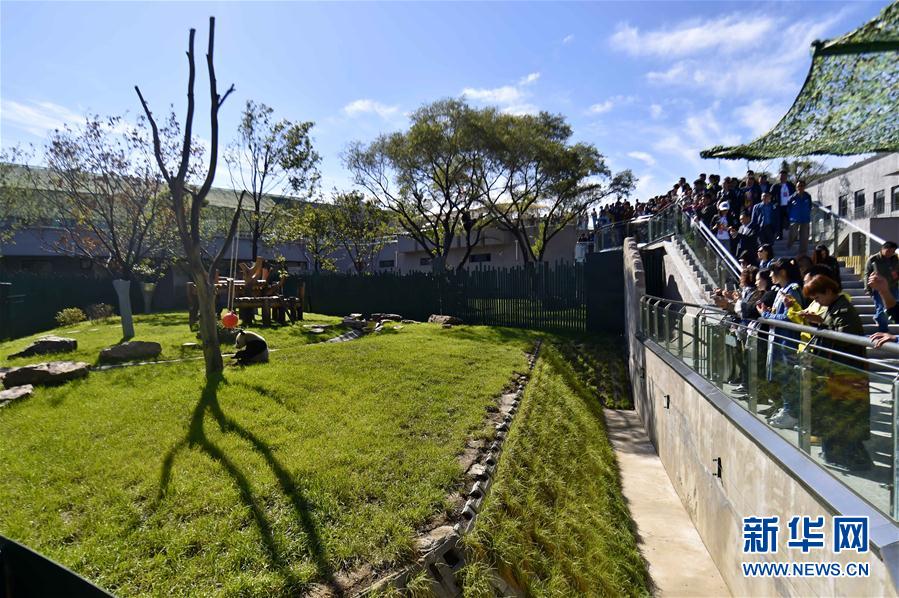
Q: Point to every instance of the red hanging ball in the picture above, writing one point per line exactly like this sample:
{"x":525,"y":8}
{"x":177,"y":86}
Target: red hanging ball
{"x":229,"y":320}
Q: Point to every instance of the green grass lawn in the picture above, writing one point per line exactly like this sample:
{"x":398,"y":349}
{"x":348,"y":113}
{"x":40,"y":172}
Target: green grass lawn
{"x":168,"y":329}
{"x":555,"y":522}
{"x":149,"y":481}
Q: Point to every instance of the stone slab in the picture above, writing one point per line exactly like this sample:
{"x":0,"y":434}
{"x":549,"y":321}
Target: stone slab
{"x":48,"y":373}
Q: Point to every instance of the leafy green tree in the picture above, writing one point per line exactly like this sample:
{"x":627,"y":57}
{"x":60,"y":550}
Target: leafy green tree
{"x":803,"y":169}
{"x":312,"y":226}
{"x":535,"y":182}
{"x":360,"y":226}
{"x":20,"y":205}
{"x":268,"y":157}
{"x":426,"y":177}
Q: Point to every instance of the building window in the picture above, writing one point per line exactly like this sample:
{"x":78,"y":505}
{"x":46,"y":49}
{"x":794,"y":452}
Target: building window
{"x":860,"y":204}
{"x":894,"y":199}
{"x":843,"y":206}
{"x":425,"y":261}
{"x":479,"y":258}
{"x":385,"y":264}
{"x":878,"y":202}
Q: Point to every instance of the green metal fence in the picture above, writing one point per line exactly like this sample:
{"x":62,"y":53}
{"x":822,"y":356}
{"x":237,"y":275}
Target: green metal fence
{"x":29,"y":303}
{"x":538,"y":296}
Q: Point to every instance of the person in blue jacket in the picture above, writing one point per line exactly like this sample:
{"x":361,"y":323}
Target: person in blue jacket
{"x":763,"y":218}
{"x":800,"y":210}
{"x":782,"y":343}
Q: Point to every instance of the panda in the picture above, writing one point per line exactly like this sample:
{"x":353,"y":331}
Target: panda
{"x":251,"y":348}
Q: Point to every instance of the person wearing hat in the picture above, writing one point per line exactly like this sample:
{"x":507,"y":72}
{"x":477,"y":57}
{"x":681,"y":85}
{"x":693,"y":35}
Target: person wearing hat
{"x":763,"y":219}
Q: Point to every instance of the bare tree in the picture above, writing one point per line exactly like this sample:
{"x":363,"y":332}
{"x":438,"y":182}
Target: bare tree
{"x":187,"y":200}
{"x":109,"y":200}
{"x":267,"y":157}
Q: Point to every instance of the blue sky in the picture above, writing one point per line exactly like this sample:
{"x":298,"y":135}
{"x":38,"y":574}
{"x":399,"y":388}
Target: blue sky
{"x":649,"y":83}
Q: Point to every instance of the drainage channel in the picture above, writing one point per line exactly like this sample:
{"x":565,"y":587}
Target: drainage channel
{"x":441,"y":552}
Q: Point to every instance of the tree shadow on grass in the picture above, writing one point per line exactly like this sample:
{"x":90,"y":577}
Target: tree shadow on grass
{"x":196,"y":437}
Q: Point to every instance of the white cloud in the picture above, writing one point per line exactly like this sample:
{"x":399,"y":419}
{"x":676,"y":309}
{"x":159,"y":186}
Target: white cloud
{"x":512,"y":99}
{"x":676,"y":72}
{"x":506,"y":94}
{"x":38,"y":118}
{"x":758,"y":116}
{"x":366,"y":106}
{"x":727,"y":34}
{"x":601,"y":107}
{"x":698,"y":131}
{"x":643,"y":157}
{"x":766,"y":65}
{"x":521,"y":109}
{"x":644,"y":186}
{"x":568,"y":39}
{"x":656,"y":111}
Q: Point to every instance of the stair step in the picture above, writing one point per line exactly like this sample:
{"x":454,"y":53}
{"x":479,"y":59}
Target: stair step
{"x":872,"y":328}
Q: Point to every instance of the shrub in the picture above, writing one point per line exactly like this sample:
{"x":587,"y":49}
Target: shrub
{"x":69,"y":316}
{"x":100,"y":311}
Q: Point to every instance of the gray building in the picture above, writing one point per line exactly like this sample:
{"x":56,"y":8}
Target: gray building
{"x":865,"y":193}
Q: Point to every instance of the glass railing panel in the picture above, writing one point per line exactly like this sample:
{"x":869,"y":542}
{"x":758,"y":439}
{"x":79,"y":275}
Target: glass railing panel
{"x":837,"y":408}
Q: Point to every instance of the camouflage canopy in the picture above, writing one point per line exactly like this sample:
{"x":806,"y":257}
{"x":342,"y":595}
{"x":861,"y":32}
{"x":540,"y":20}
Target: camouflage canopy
{"x":849,"y":103}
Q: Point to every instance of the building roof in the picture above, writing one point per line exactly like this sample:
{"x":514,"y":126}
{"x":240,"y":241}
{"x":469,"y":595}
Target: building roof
{"x":217,"y":197}
{"x":854,"y":166}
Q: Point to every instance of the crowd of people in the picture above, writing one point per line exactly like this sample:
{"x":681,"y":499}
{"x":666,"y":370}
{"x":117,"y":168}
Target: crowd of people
{"x":809,"y":292}
{"x":747,"y":216}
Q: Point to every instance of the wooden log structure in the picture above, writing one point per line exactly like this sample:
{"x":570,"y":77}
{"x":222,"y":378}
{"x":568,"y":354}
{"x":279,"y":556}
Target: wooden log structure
{"x":267,"y":298}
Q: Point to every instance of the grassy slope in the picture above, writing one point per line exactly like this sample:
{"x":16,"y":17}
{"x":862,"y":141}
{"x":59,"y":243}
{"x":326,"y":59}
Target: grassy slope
{"x":555,"y":522}
{"x":149,"y":482}
{"x":168,"y":329}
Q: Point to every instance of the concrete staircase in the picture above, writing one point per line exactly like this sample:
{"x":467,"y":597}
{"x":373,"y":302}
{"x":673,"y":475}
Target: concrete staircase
{"x":880,"y":361}
{"x":687,"y":255}
{"x":852,"y":284}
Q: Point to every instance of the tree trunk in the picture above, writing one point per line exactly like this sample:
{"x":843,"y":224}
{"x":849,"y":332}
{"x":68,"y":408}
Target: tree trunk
{"x":123,"y":293}
{"x":256,"y":235}
{"x":208,"y":318}
{"x":147,"y":289}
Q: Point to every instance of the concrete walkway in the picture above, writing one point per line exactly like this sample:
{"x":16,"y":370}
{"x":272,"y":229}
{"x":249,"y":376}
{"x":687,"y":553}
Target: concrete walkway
{"x":679,"y":563}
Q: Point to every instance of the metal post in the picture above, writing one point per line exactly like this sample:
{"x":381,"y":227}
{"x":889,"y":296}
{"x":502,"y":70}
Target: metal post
{"x":680,"y":336}
{"x":894,"y":504}
{"x":752,"y":369}
{"x":805,"y":402}
{"x":666,"y":325}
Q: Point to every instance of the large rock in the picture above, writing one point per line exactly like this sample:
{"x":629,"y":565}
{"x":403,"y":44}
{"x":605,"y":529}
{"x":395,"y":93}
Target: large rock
{"x":354,"y":323}
{"x":52,"y":372}
{"x":388,"y":317}
{"x":16,"y":392}
{"x":47,"y":344}
{"x":439,"y":319}
{"x":131,"y":351}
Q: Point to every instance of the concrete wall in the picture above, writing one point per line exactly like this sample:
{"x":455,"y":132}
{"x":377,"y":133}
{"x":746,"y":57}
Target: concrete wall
{"x":761,"y":473}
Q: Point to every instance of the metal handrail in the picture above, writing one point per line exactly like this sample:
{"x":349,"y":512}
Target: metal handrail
{"x":729,"y":260}
{"x":842,"y":337}
{"x":871,"y":236}
{"x":654,"y":216}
